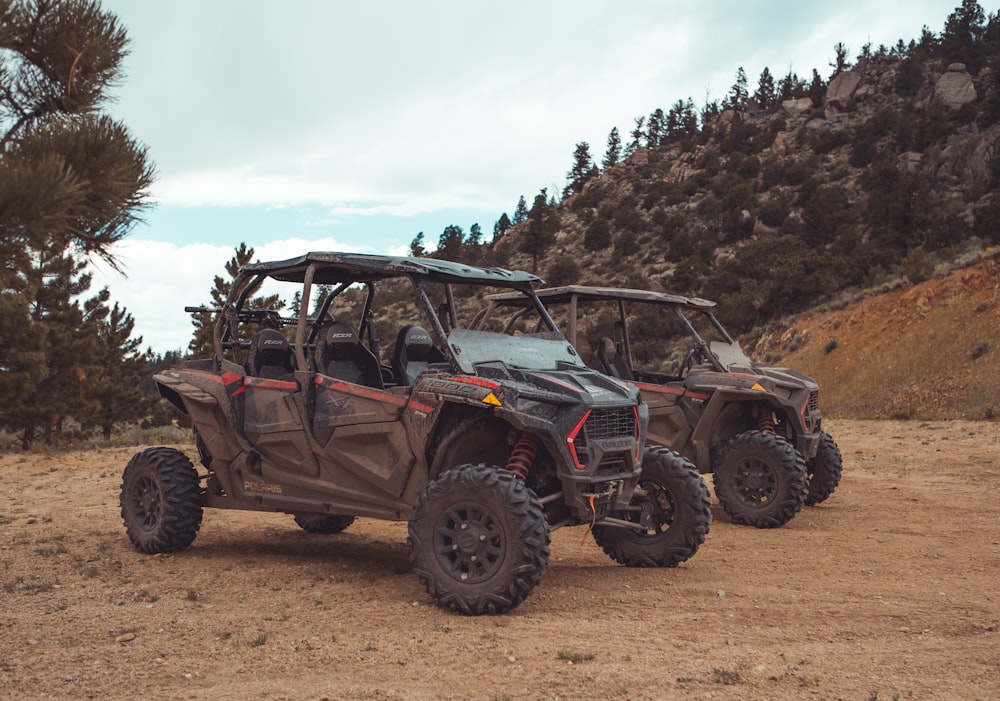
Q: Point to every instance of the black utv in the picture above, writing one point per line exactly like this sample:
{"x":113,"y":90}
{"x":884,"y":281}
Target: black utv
{"x":756,"y":427}
{"x":482,"y":441}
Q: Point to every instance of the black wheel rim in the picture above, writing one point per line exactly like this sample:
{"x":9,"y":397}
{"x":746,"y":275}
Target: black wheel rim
{"x":146,"y":503}
{"x":657,"y":509}
{"x":469,"y":543}
{"x":754,"y":482}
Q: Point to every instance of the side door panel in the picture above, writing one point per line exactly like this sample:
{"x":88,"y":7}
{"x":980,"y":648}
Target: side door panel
{"x":359,"y":430}
{"x":273,"y":423}
{"x":667,"y":425}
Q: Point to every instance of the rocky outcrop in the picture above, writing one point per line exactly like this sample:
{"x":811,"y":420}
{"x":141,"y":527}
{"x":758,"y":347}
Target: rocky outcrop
{"x":840,"y":93}
{"x":968,"y":156}
{"x":794,"y":108}
{"x":955,"y":88}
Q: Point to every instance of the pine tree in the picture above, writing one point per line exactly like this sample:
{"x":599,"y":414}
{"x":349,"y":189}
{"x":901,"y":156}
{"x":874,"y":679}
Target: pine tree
{"x":655,"y":128}
{"x":202,"y":343}
{"x":501,"y":227}
{"x":788,"y":86}
{"x":613,"y":154}
{"x":638,"y":135}
{"x":689,"y":119}
{"x":766,"y":95}
{"x":67,"y":172}
{"x":840,"y":62}
{"x":417,"y":249}
{"x":51,"y":373}
{"x":962,"y":33}
{"x":116,"y":380}
{"x":583,"y":170}
{"x":73,"y":182}
{"x":672,"y":124}
{"x":817,"y":88}
{"x":989,"y":112}
{"x":475,"y":235}
{"x":710,"y":112}
{"x":543,"y":223}
{"x":450,"y":244}
{"x":22,"y":356}
{"x":520,"y":212}
{"x":738,"y":94}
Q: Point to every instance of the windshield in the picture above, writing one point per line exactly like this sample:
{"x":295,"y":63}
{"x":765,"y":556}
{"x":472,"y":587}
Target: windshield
{"x":537,"y":351}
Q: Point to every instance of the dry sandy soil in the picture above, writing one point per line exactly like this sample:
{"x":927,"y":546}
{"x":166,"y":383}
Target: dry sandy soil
{"x":888,"y":590}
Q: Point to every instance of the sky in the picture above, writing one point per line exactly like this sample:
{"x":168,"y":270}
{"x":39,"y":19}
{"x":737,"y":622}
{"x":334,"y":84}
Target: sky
{"x":352,"y":126}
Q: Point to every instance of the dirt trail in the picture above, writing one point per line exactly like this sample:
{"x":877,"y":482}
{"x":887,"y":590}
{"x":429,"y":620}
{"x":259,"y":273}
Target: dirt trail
{"x":888,"y":590}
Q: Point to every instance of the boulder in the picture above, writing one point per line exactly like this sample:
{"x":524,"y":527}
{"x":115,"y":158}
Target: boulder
{"x":955,"y":88}
{"x":840,"y":93}
{"x":794,"y":108}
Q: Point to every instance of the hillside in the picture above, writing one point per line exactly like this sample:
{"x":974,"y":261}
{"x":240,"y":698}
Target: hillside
{"x":778,"y":205}
{"x":869,"y":182}
{"x":926,"y":351}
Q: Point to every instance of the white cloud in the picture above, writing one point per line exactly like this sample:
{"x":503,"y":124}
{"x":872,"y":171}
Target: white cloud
{"x":163,"y":278}
{"x":384,"y":106}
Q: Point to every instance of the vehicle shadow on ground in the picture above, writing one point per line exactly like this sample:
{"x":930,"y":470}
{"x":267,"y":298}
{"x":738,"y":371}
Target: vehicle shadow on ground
{"x":269,"y":547}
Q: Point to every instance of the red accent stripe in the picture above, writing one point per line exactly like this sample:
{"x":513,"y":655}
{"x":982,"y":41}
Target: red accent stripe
{"x":678,"y":391}
{"x":572,"y":437}
{"x":478,"y":381}
{"x":638,"y":445}
{"x":741,"y":376}
{"x":270,"y":384}
{"x":562,"y":384}
{"x":359,"y":391}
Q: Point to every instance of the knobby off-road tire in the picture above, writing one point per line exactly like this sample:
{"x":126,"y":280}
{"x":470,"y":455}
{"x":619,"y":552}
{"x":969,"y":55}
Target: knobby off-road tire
{"x":324,"y":524}
{"x":824,"y":470}
{"x":160,"y":500}
{"x":674,"y":507}
{"x":478,"y":540}
{"x":760,"y":479}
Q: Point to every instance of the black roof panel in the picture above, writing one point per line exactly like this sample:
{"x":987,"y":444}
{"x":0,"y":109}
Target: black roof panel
{"x":357,"y":267}
{"x":562,"y":295}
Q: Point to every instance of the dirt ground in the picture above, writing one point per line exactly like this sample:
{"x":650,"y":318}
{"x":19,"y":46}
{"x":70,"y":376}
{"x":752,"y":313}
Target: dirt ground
{"x":888,"y":590}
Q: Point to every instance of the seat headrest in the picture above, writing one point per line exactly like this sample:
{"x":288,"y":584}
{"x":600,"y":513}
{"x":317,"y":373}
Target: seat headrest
{"x":607,"y":349}
{"x":339,"y":339}
{"x":270,"y":354}
{"x":417,"y":341}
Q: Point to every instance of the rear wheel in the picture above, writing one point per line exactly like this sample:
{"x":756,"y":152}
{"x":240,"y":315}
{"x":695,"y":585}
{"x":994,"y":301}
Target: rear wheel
{"x":160,"y":500}
{"x":824,"y":470}
{"x":760,"y":479}
{"x":672,"y":510}
{"x":325,"y":524}
{"x":478,"y":539}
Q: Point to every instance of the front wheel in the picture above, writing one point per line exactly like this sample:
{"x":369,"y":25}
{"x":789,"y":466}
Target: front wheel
{"x":672,"y":510}
{"x":824,"y":470}
{"x":478,"y":540}
{"x":160,"y":500}
{"x":760,"y":479}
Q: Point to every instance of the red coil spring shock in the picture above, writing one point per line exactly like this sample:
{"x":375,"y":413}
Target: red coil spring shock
{"x":522,"y":457}
{"x":765,"y":422}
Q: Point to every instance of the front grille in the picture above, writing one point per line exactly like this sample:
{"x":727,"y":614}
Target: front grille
{"x":601,"y":425}
{"x":612,"y":465}
{"x":606,"y":424}
{"x":814,"y":401}
{"x":610,"y":423}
